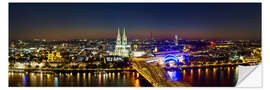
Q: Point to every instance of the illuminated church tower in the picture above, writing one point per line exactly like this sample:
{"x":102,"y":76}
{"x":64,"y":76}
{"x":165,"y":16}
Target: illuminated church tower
{"x":124,"y":38}
{"x":118,"y":40}
{"x":117,"y":50}
{"x":121,"y":47}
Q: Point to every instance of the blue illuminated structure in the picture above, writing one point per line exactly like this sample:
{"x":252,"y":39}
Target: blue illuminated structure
{"x":171,"y":57}
{"x":174,"y":75}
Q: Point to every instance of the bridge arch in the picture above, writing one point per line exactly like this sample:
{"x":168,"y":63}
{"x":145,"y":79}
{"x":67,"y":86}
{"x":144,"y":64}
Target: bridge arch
{"x":171,"y":57}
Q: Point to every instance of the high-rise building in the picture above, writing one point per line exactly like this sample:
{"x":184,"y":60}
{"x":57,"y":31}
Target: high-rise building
{"x":122,"y":48}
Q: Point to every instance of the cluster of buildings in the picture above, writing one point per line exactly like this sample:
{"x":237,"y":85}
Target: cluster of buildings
{"x":116,"y":53}
{"x":99,"y":53}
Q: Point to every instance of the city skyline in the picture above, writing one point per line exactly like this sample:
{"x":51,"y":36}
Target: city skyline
{"x":133,"y":44}
{"x":64,"y":21}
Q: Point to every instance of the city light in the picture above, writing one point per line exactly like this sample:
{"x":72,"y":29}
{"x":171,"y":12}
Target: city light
{"x":125,"y":48}
{"x":171,"y":57}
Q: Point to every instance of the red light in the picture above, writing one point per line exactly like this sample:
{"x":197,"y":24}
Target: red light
{"x":212,"y":43}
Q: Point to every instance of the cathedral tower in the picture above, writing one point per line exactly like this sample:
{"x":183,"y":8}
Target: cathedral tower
{"x":118,"y":39}
{"x":124,"y":38}
{"x":122,"y":48}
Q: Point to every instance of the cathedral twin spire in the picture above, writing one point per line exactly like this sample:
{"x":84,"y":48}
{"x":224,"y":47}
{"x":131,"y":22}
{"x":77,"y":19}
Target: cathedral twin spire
{"x":122,"y":48}
{"x":123,"y":40}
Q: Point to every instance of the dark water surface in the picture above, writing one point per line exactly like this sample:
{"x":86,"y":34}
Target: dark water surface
{"x":81,"y":78}
{"x":214,"y":76}
{"x":207,"y":77}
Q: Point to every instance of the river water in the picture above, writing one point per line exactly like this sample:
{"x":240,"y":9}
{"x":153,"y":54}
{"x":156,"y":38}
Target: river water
{"x":206,"y":77}
{"x":79,"y":78}
{"x":214,"y":77}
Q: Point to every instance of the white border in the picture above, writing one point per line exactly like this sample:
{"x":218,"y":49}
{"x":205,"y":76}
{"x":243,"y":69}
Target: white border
{"x":4,"y":38}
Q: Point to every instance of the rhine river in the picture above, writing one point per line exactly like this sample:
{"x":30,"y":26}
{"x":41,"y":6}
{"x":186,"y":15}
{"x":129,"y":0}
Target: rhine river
{"x":206,"y":77}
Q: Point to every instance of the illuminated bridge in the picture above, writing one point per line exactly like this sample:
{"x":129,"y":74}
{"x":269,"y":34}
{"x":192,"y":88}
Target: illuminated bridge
{"x":154,"y":73}
{"x":152,"y":69}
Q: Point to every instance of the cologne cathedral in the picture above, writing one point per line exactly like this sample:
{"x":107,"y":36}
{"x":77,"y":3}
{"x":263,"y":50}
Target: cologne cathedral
{"x":122,"y":48}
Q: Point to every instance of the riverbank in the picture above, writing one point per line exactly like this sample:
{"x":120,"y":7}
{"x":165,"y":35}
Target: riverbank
{"x":112,"y":78}
{"x":70,"y":69}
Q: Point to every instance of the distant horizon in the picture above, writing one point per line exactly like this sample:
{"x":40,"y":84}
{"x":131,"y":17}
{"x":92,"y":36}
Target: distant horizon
{"x":128,"y":39}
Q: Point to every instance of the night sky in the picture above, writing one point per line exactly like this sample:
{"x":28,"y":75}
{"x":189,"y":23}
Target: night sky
{"x":56,"y":21}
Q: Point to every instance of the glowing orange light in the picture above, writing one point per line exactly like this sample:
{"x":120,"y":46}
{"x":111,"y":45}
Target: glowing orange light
{"x":212,"y":43}
{"x":137,"y":83}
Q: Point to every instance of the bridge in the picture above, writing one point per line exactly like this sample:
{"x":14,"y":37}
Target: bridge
{"x":152,"y":71}
{"x":156,"y":75}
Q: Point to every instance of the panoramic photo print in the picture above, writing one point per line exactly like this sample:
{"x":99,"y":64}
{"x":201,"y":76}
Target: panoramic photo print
{"x":133,"y":44}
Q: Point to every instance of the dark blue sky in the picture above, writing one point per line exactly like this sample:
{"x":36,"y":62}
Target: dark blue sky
{"x":100,"y":20}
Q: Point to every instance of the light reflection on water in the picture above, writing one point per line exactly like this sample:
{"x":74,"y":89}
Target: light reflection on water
{"x":85,"y":78}
{"x":215,"y":76}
